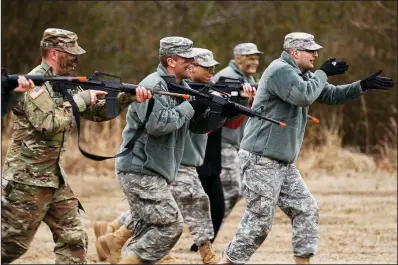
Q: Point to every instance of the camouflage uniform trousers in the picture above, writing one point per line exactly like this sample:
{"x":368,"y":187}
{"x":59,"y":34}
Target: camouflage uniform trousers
{"x":22,"y":210}
{"x":193,"y":203}
{"x":124,"y":218}
{"x":230,"y":177}
{"x":269,"y":183}
{"x":155,"y":221}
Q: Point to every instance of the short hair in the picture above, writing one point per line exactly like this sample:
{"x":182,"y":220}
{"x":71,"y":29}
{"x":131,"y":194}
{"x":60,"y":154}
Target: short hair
{"x":163,"y":59}
{"x":288,"y":50}
{"x":44,"y":52}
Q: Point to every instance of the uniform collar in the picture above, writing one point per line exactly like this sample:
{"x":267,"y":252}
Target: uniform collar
{"x":46,"y":68}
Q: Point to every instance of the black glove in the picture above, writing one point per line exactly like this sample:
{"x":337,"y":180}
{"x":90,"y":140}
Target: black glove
{"x":377,"y":82}
{"x":331,"y":67}
{"x":229,"y":110}
{"x":198,"y":106}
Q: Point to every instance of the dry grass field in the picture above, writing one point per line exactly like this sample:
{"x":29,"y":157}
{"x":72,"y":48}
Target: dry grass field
{"x":356,"y":193}
{"x":358,"y":218}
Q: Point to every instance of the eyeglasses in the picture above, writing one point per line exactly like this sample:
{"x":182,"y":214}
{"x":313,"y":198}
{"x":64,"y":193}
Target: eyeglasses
{"x":211,"y":69}
{"x":313,"y":52}
{"x":75,"y":58}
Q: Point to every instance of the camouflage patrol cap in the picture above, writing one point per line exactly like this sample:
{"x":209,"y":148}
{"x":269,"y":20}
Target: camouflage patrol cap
{"x":205,"y":58}
{"x":177,"y":46}
{"x":301,"y":40}
{"x":61,"y":39}
{"x":246,"y":49}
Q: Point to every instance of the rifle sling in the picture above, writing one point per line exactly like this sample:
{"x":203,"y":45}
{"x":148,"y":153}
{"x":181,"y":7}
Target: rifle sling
{"x":129,"y":146}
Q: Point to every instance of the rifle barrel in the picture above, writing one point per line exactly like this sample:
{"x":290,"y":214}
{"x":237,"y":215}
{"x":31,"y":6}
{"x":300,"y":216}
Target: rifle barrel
{"x":251,"y":113}
{"x":170,"y":94}
{"x":315,"y":120}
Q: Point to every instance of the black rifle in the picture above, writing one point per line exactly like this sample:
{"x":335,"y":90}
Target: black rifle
{"x":63,"y":83}
{"x":231,"y":87}
{"x":95,"y":82}
{"x":217,"y":104}
{"x":10,"y":82}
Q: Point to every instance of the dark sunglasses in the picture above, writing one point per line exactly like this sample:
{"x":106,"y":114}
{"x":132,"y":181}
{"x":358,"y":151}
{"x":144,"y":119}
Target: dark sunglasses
{"x":315,"y":52}
{"x":75,"y":58}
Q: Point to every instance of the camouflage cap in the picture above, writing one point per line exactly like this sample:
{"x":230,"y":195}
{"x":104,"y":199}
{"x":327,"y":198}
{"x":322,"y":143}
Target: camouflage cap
{"x":177,"y":46}
{"x":61,"y":39}
{"x":246,"y":49}
{"x":301,"y":40}
{"x":205,"y":58}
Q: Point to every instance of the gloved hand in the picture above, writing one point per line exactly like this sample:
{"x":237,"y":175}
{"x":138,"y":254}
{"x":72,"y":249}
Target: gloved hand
{"x":198,"y":106}
{"x":377,"y":82}
{"x":229,"y":110}
{"x":332,"y":67}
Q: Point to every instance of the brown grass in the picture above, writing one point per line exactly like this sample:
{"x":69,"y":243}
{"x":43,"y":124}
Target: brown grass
{"x":387,"y":148}
{"x":358,"y":222}
{"x":356,"y":194}
{"x":322,"y":150}
{"x":330,"y":158}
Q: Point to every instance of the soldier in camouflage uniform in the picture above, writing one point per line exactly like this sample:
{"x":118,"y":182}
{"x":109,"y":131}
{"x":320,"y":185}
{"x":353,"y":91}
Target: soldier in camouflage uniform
{"x":34,"y":186}
{"x":243,"y":66}
{"x":186,"y":189}
{"x":146,"y":173}
{"x":286,"y":90}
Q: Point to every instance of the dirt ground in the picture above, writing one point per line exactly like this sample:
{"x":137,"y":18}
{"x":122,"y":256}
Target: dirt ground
{"x":358,"y":220}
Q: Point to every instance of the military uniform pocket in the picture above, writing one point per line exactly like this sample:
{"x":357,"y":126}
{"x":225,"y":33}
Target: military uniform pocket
{"x":258,"y":204}
{"x":67,"y":108}
{"x":158,"y":211}
{"x":17,"y":209}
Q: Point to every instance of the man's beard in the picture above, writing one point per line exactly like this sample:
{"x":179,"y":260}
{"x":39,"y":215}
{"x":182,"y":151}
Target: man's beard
{"x":67,"y":66}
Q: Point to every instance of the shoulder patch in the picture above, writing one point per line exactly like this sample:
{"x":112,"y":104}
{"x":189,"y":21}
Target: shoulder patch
{"x":36,"y":92}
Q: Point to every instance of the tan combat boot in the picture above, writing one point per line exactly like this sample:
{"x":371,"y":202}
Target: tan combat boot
{"x":302,"y":260}
{"x":131,"y":258}
{"x":102,"y":228}
{"x":207,"y":253}
{"x":112,"y":243}
{"x":169,"y":259}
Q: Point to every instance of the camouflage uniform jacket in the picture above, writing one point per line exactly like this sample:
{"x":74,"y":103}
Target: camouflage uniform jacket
{"x":234,"y":136}
{"x":159,"y":150}
{"x":42,"y":124}
{"x":285,"y":94}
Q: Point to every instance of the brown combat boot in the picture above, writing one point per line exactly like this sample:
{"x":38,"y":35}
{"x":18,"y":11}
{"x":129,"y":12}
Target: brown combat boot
{"x":169,"y":259}
{"x":207,"y":253}
{"x":302,"y":260}
{"x":102,"y":228}
{"x":224,"y":260}
{"x":131,"y":258}
{"x":112,"y":243}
